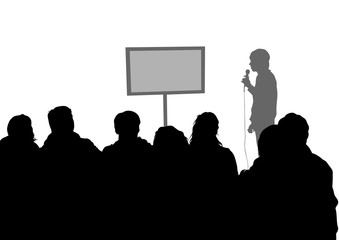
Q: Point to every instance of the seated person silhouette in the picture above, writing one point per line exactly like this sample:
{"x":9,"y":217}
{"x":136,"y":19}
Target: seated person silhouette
{"x":207,"y":153}
{"x":170,"y":143}
{"x":310,"y":195}
{"x":256,"y":188}
{"x":128,"y":161}
{"x":19,"y":153}
{"x":289,"y":186}
{"x":20,"y":144}
{"x":64,"y":152}
{"x":63,"y":144}
{"x":170,"y":148}
{"x":19,"y":159}
{"x":69,"y":165}
{"x":129,"y":147}
{"x":213,"y":170}
{"x":19,"y":162}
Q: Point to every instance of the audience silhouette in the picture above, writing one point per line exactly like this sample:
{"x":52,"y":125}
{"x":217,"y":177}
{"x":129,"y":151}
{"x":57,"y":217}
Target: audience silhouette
{"x":211,"y":159}
{"x":213,"y":173}
{"x":170,"y":172}
{"x":174,"y":185}
{"x":170,"y":149}
{"x":129,"y":160}
{"x":129,"y":148}
{"x":19,"y":145}
{"x":64,"y":145}
{"x":170,"y":143}
{"x":19,"y":154}
{"x":69,"y":165}
{"x":288,"y":189}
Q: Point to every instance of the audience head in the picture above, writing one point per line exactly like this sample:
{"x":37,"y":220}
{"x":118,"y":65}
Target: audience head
{"x":127,"y":124}
{"x":20,"y":126}
{"x":269,"y":141}
{"x":169,"y":139}
{"x":61,"y":120}
{"x":259,"y":59}
{"x":294,"y":129}
{"x":205,"y":128}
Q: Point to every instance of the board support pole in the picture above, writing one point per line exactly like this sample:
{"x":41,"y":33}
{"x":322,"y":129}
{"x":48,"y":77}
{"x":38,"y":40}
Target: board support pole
{"x":165,"y":109}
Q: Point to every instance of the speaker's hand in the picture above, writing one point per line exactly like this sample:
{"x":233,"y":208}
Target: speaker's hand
{"x":246,"y":79}
{"x":250,"y":129}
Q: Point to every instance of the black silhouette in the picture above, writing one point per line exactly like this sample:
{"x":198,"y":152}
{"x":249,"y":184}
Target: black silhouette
{"x":68,"y":171}
{"x":258,"y":198}
{"x":170,"y":143}
{"x":264,"y":92}
{"x":208,"y":153}
{"x":64,"y":145}
{"x":129,"y":147}
{"x":19,"y":160}
{"x":288,"y":190}
{"x":129,"y":160}
{"x":19,"y":145}
{"x":170,"y":173}
{"x":213,"y":171}
{"x":68,"y":160}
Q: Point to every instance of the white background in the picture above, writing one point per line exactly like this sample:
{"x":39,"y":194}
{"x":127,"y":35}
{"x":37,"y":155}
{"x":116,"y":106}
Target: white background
{"x":72,"y":53}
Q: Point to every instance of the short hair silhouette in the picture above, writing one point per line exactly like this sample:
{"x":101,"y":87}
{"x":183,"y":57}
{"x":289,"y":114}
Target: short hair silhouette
{"x":127,"y":123}
{"x":63,"y":143}
{"x":129,"y":145}
{"x":269,"y":141}
{"x":61,"y":119}
{"x":261,"y":56}
{"x":21,"y":127}
{"x":295,"y":128}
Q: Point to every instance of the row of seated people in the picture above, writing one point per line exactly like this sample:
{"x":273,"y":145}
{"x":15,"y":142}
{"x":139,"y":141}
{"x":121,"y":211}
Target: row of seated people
{"x":173,"y":185}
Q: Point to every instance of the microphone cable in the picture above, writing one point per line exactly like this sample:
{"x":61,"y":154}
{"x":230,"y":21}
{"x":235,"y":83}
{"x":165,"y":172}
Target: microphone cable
{"x":245,"y":129}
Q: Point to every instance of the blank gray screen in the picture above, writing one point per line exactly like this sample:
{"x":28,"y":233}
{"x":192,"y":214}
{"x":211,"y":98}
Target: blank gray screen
{"x":165,"y":71}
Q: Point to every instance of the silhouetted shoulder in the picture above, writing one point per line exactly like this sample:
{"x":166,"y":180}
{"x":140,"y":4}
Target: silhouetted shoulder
{"x":89,"y":145}
{"x":69,"y":145}
{"x":107,"y":148}
{"x":321,"y":163}
{"x":143,"y":143}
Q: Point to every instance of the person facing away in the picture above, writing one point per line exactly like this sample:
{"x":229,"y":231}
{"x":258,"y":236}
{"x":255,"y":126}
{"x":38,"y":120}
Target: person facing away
{"x":289,"y":186}
{"x":68,"y":166}
{"x":207,"y":151}
{"x":258,"y":190}
{"x":170,"y":149}
{"x":20,"y":144}
{"x":264,"y":107}
{"x":169,"y":171}
{"x":19,"y":159}
{"x":213,"y":170}
{"x":170,"y":143}
{"x":310,"y":199}
{"x":128,"y":173}
{"x":129,"y":147}
{"x":63,"y":144}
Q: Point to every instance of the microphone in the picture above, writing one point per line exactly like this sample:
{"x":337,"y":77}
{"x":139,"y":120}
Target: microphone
{"x":246,"y":76}
{"x":247,"y":72}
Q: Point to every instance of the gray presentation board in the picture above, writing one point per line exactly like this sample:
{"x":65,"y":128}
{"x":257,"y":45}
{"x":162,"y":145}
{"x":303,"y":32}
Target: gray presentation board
{"x":165,"y":70}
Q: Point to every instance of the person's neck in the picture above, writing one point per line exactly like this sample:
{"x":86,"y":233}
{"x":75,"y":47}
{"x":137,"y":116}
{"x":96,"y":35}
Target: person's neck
{"x":262,"y":71}
{"x":127,"y":138}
